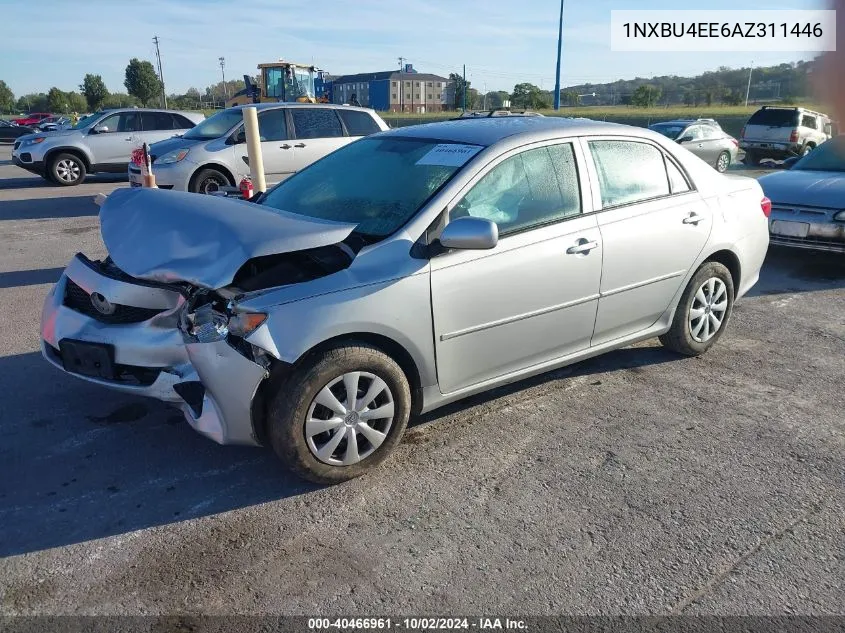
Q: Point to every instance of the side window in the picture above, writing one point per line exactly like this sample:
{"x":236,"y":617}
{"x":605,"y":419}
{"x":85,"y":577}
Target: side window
{"x":156,"y":121}
{"x":111,"y":122}
{"x":709,"y":132}
{"x":358,"y":123}
{"x":524,"y":191}
{"x":677,"y":181}
{"x":129,"y":122}
{"x":828,"y":128}
{"x":628,"y":172}
{"x":316,"y":123}
{"x":695,"y":132}
{"x":181,"y":123}
{"x":272,"y":125}
{"x":808,"y":121}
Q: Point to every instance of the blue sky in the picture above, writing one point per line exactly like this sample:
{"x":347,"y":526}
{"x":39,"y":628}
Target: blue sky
{"x":502,"y":42}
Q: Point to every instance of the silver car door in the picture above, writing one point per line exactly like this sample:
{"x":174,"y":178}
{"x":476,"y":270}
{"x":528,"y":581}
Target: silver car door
{"x":276,"y":146}
{"x":653,"y":226}
{"x":533,"y":297}
{"x":317,"y":132}
{"x":113,"y":145}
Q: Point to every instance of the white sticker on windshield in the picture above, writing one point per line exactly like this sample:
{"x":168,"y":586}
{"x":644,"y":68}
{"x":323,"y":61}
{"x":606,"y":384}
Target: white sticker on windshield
{"x":449,"y":155}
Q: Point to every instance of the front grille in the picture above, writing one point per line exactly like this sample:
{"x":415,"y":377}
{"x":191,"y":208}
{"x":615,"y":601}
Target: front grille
{"x":80,"y":301}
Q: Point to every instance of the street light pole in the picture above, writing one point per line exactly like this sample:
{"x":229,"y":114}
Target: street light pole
{"x":748,"y":89}
{"x":222,"y":61}
{"x":559,"y":48}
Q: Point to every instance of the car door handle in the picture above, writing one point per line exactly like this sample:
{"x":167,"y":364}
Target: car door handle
{"x":300,"y":145}
{"x":583,"y":246}
{"x":285,"y":146}
{"x":693,"y":218}
{"x":128,"y":138}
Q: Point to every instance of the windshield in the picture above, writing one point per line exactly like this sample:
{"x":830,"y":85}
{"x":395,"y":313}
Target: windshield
{"x":829,"y":156}
{"x":668,"y":130}
{"x":87,"y":120}
{"x":377,"y":183}
{"x":216,"y":125}
{"x":774,"y":118}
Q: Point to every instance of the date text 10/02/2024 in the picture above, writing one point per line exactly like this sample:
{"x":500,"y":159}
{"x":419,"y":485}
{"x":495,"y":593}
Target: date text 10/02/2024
{"x":425,"y":624}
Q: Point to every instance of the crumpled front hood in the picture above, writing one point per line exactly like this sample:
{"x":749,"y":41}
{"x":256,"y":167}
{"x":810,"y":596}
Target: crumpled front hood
{"x":170,"y":236}
{"x":805,"y":188}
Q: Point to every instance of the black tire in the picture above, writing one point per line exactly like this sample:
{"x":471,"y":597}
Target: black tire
{"x":809,"y":147}
{"x":208,"y":180}
{"x":66,"y":170}
{"x":680,"y":337}
{"x":751,"y":158}
{"x":289,"y":409}
{"x":723,"y":162}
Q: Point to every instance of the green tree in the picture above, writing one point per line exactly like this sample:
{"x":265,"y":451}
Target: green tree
{"x":33,"y":102}
{"x":141,"y":81}
{"x":7,"y":97}
{"x":527,"y":95}
{"x":458,"y":80}
{"x":95,"y":91}
{"x":120,"y":100}
{"x":57,"y":100}
{"x":76,"y":102}
{"x":646,"y":96}
{"x":732,"y":97}
{"x":570,"y":98}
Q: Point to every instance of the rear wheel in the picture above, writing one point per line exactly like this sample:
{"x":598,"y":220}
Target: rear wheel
{"x":703,"y":311}
{"x":723,"y":162}
{"x":66,"y":170}
{"x":208,"y":181}
{"x":751,"y":158}
{"x":339,"y":414}
{"x":807,"y":149}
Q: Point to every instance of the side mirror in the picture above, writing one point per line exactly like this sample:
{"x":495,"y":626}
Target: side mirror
{"x":470,"y":234}
{"x":99,"y":129}
{"x":685,"y":139}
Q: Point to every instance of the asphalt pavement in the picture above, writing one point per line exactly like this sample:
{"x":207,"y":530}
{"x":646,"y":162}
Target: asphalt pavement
{"x":634,"y":483}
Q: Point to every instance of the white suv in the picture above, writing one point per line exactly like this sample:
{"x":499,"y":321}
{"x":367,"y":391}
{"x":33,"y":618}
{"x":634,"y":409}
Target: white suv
{"x":293,"y":135}
{"x":778,"y":132}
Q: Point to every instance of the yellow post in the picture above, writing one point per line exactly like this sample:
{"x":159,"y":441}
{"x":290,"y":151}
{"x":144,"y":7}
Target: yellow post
{"x":253,"y":148}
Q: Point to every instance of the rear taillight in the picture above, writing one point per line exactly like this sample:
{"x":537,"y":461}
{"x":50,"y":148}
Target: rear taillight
{"x":793,"y":138}
{"x":735,"y":142}
{"x":766,"y":206}
{"x":742,"y":134}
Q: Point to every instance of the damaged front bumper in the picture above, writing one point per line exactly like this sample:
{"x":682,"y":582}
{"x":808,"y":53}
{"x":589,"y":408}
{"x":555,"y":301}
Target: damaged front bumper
{"x":107,"y":328}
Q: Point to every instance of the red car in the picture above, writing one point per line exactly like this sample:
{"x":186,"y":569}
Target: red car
{"x":32,"y":118}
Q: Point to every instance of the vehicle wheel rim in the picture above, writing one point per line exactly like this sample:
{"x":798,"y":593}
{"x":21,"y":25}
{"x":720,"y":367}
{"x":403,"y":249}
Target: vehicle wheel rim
{"x":723,"y":162}
{"x":67,"y":170}
{"x":210,"y":184}
{"x":806,"y":151}
{"x":349,"y":418}
{"x":708,"y":310}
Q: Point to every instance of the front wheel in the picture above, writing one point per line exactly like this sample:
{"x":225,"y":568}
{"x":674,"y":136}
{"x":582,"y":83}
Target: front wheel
{"x":703,"y":311}
{"x":340,"y":414}
{"x":208,"y":181}
{"x":67,"y":170}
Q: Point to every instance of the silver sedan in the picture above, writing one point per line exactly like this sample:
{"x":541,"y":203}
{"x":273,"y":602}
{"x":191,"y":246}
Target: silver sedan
{"x":402,"y":272}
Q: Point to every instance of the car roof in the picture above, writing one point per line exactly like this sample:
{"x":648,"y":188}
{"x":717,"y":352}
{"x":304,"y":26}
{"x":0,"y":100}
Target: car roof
{"x":278,"y":104}
{"x":687,"y":122}
{"x":487,"y":131}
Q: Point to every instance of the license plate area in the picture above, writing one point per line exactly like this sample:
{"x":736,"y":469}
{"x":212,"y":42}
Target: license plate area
{"x":87,"y":359}
{"x":790,"y":229}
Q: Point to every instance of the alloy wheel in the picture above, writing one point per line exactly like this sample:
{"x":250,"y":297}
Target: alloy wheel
{"x":349,"y":418}
{"x":723,"y":163}
{"x":210,"y":185}
{"x":67,"y":170}
{"x":708,"y":309}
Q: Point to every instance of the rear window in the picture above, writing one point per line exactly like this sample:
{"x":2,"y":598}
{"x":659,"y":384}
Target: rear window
{"x":774,"y":118}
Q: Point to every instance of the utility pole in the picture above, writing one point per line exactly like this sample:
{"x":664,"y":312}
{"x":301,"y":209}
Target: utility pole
{"x":485,"y":95}
{"x":465,"y":88}
{"x":222,"y":61}
{"x":748,"y":89}
{"x":401,"y":84}
{"x":559,"y":49}
{"x":160,"y":74}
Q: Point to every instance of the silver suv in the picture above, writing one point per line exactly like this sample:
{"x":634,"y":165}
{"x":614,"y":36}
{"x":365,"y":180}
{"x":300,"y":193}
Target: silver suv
{"x":293,"y":135}
{"x":100,"y":142}
{"x":777,"y":132}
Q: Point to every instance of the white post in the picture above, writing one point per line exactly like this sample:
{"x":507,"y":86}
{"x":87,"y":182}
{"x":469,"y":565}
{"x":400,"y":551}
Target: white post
{"x":253,"y":148}
{"x":748,"y":89}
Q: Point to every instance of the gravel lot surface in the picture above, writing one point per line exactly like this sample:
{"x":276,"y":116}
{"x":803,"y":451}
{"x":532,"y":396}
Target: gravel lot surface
{"x":634,"y":483}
